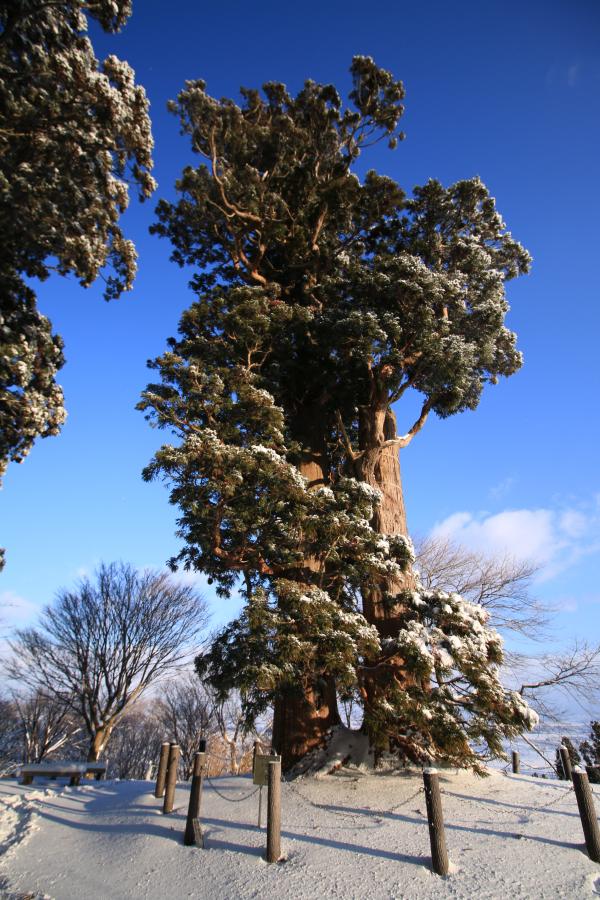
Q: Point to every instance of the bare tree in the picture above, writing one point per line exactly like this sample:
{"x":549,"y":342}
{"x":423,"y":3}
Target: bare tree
{"x":134,"y":745}
{"x":573,"y":673}
{"x":234,"y":734}
{"x":185,"y":713}
{"x":502,"y":584}
{"x":98,"y":647}
{"x":46,"y":725}
{"x":9,"y":736}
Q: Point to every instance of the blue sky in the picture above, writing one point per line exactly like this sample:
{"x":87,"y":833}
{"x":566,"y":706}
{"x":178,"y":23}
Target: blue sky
{"x":504,"y":90}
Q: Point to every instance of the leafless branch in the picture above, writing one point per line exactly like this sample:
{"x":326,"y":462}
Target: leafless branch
{"x":97,"y":648}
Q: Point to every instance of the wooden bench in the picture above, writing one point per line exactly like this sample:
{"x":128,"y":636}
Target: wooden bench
{"x":74,"y":771}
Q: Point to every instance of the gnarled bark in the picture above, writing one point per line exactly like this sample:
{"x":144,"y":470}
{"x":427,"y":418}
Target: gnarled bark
{"x":379,"y":466}
{"x":302,"y":720}
{"x":303,"y":717}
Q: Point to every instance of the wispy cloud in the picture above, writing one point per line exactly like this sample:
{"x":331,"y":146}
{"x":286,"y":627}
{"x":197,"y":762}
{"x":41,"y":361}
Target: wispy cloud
{"x":565,"y":75}
{"x":555,"y":539}
{"x":573,"y":73}
{"x":503,"y":488}
{"x":16,"y":611}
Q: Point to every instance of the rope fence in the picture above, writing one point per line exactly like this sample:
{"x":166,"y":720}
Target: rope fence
{"x":231,"y":799}
{"x":367,"y":817}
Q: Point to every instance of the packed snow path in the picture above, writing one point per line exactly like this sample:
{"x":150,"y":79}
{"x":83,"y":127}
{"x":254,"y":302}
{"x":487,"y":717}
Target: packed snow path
{"x":350,"y":836}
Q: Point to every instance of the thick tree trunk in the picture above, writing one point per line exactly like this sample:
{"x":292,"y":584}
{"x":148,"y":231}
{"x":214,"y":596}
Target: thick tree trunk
{"x":303,"y":718}
{"x":381,"y":469}
{"x":98,"y":743}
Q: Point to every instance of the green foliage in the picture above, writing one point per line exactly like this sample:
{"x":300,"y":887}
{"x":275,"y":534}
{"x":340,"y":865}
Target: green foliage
{"x":31,"y":403}
{"x":410,"y":293}
{"x":321,"y":300}
{"x":573,"y":756}
{"x":287,"y":638}
{"x":451,"y":699}
{"x":590,"y":750}
{"x":74,"y":133}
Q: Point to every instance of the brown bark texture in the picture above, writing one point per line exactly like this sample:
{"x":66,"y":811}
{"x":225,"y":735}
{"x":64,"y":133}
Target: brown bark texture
{"x":302,"y":720}
{"x":304,"y":716}
{"x":99,"y":742}
{"x":379,"y":466}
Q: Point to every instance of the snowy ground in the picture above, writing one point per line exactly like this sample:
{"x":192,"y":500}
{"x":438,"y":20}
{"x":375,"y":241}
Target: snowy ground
{"x":348,"y":835}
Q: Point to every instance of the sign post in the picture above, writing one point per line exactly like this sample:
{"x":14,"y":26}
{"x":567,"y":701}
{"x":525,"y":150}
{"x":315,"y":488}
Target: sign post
{"x":260,"y":775}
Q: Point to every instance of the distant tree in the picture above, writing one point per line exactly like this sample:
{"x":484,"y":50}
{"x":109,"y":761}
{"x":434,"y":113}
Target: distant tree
{"x":184,"y":713}
{"x":235,"y":736}
{"x":98,"y":647}
{"x":573,"y":672}
{"x":47,"y":725}
{"x":573,"y":756}
{"x":74,"y":134}
{"x":499,"y":584}
{"x":322,"y":300}
{"x":503,"y":586}
{"x":134,"y":745}
{"x":9,"y":736}
{"x":590,"y":750}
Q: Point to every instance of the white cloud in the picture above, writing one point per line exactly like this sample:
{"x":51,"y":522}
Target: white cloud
{"x":16,"y":611}
{"x":573,"y":523}
{"x":555,"y":539}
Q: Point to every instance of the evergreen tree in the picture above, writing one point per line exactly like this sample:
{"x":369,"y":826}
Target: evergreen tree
{"x":573,"y":756}
{"x":322,"y":300}
{"x":74,"y":133}
{"x":590,"y":750}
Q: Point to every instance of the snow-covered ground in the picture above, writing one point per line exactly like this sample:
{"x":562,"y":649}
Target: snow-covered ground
{"x":348,"y":835}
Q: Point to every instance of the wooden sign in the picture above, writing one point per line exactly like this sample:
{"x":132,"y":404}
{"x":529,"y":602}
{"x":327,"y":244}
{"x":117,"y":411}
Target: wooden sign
{"x":261,"y":767}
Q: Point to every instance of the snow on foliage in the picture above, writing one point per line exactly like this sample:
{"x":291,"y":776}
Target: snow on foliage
{"x":74,"y":135}
{"x":320,"y":300}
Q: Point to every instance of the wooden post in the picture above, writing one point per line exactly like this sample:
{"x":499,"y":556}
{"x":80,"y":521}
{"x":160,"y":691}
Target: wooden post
{"x":516,"y":762}
{"x":587,"y":812}
{"x":190,"y":835}
{"x":171,"y":781}
{"x":274,"y":811}
{"x":566,"y":764}
{"x":162,"y":770}
{"x":435,"y":816}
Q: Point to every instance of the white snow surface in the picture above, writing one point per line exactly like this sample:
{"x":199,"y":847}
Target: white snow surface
{"x":350,"y":835}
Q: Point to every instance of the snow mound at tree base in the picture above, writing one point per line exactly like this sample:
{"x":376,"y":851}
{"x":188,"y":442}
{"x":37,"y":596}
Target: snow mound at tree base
{"x":344,"y":747}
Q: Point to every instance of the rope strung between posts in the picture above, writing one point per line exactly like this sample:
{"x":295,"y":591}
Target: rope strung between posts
{"x":231,"y":799}
{"x":527,"y":810}
{"x":352,"y":815}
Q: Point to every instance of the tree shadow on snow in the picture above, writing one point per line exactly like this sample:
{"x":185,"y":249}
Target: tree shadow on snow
{"x":521,"y":807}
{"x":451,"y":826}
{"x":218,"y":843}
